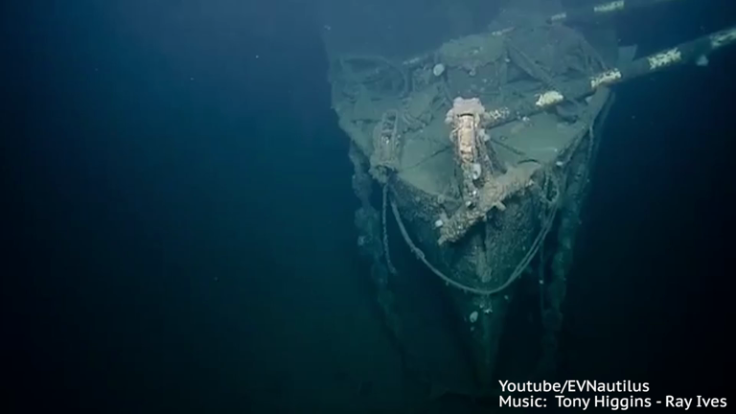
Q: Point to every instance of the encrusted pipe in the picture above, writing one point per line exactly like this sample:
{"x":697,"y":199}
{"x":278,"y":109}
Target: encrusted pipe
{"x":476,"y":161}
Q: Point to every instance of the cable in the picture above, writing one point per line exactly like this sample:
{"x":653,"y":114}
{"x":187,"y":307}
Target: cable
{"x":386,"y":250}
{"x":517,"y":271}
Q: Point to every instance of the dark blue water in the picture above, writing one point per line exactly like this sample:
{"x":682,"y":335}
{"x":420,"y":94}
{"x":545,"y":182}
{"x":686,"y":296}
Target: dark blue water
{"x":179,"y":218}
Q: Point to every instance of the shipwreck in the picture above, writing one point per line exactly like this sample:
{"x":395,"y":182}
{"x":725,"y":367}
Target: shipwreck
{"x":478,"y":154}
